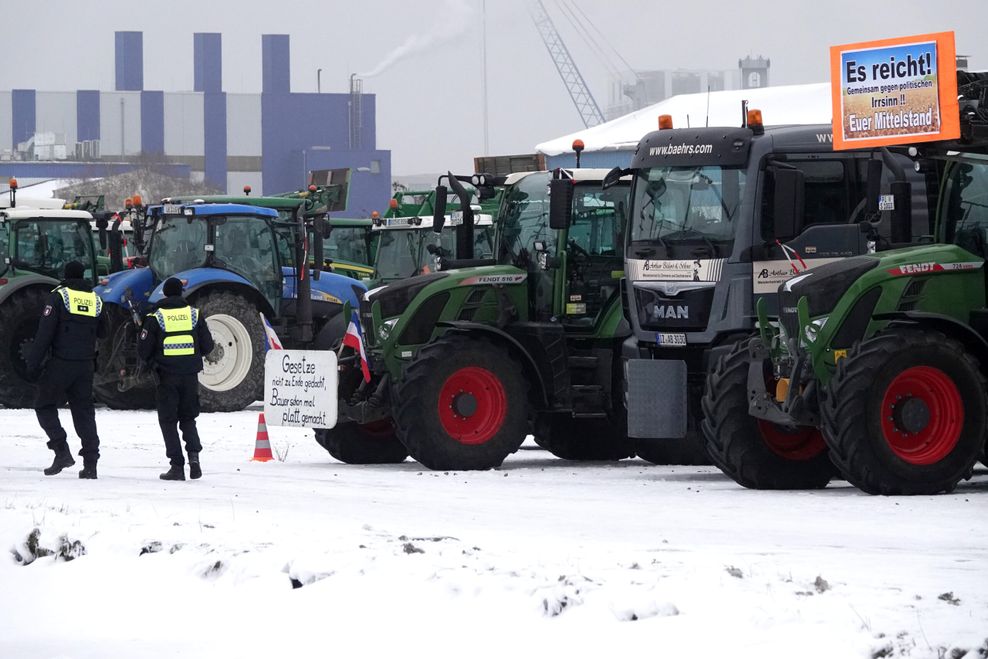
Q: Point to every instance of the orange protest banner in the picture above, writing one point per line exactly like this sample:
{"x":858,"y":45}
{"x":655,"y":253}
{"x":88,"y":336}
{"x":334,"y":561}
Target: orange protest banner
{"x":894,"y":91}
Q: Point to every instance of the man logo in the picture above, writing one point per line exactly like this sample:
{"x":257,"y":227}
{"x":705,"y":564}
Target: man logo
{"x":681,"y":312}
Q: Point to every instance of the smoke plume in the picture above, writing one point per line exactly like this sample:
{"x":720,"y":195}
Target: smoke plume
{"x":453,"y":22}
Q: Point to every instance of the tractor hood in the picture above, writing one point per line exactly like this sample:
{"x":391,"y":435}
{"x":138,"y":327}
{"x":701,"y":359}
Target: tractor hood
{"x":139,"y":282}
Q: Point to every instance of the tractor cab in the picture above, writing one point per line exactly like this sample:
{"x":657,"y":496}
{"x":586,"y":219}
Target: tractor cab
{"x":42,"y":242}
{"x":243,"y":240}
{"x":408,"y":246}
{"x":347,"y":242}
{"x":571,"y":244}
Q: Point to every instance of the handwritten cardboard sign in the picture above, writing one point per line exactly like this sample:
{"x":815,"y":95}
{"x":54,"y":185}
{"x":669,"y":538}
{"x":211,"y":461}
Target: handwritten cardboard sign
{"x":300,"y":388}
{"x":894,"y":91}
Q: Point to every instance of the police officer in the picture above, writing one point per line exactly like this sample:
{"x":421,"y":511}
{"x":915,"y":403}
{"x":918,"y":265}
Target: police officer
{"x":173,"y":341}
{"x":70,"y":324}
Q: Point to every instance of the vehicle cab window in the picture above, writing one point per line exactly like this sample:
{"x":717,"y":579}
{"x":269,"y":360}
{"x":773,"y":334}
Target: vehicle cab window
{"x":965,"y":206}
{"x":45,"y":247}
{"x":246,"y":246}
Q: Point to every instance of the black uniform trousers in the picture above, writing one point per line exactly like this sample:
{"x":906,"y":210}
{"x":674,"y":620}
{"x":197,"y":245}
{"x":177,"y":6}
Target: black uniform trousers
{"x":178,"y":402}
{"x":68,"y":380}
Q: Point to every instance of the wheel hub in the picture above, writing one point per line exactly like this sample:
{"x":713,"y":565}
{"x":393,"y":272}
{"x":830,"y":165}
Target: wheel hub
{"x":911,"y":415}
{"x":922,"y":415}
{"x":464,"y":404}
{"x":472,"y":405}
{"x":230,"y":361}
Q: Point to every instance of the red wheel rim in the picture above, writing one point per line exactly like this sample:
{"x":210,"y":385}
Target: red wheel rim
{"x":472,"y":405}
{"x":798,"y":444}
{"x":932,"y":437}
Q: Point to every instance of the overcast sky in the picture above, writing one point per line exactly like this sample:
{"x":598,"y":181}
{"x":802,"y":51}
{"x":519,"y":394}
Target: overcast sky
{"x":429,"y":92}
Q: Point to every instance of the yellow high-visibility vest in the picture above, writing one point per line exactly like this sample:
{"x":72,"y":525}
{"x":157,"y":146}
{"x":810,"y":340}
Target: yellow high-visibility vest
{"x":81,"y":303}
{"x":178,"y":324}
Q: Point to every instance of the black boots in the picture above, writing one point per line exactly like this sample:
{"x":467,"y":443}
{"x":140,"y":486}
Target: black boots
{"x":88,"y":470}
{"x":63,"y":459}
{"x":195,"y":471}
{"x":175,"y":473}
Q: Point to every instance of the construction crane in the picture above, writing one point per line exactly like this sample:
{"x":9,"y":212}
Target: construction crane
{"x":584,"y":101}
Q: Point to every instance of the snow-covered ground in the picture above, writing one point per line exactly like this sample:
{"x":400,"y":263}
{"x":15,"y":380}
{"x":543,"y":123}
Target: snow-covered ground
{"x":306,"y":557}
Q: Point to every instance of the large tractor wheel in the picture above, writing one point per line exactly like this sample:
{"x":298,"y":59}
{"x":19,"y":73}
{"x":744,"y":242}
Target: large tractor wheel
{"x":756,"y":453}
{"x":367,"y":444}
{"x":905,"y":413}
{"x":118,"y":352}
{"x":462,"y":404}
{"x":585,"y":439}
{"x":233,"y":373}
{"x":19,"y":316}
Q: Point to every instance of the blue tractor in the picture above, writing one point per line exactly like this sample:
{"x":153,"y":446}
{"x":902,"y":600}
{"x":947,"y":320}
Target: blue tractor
{"x":237,"y":262}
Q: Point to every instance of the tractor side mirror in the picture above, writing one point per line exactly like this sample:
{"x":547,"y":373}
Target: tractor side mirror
{"x":439,"y":209}
{"x":560,"y":203}
{"x":613,"y":176}
{"x":789,"y":209}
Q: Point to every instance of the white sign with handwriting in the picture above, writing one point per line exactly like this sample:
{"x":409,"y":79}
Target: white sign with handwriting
{"x":300,"y":388}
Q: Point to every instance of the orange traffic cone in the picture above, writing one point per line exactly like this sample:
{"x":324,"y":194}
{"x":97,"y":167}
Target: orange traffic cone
{"x":262,"y":446}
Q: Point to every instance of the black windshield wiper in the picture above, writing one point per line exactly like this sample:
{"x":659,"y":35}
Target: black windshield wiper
{"x":702,"y":236}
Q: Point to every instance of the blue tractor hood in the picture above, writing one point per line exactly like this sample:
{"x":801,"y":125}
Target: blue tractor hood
{"x":137,"y":284}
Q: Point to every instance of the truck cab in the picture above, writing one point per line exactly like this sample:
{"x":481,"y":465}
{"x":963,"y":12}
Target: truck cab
{"x":719,"y":218}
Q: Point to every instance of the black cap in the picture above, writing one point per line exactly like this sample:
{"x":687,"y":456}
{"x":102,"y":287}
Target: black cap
{"x":74,"y":270}
{"x":172,"y":286}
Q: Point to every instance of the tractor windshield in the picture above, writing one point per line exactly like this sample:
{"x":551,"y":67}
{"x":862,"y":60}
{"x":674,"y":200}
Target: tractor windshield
{"x":178,"y":243}
{"x":348,"y":244}
{"x":399,"y":253}
{"x":45,"y":246}
{"x":964,"y":205}
{"x":694,"y":206}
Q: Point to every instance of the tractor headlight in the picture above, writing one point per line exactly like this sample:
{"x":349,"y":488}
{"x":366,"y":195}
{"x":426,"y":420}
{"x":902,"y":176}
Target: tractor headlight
{"x":384,"y":331}
{"x":812,"y":331}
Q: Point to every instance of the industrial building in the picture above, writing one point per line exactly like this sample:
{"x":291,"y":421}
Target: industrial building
{"x":269,"y":140}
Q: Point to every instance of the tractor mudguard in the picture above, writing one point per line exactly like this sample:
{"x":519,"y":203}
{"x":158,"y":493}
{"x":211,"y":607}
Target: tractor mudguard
{"x":20,"y":282}
{"x":330,"y":287}
{"x":139,"y":281}
{"x":199,"y":278}
{"x":196,"y":278}
{"x":463,"y":326}
{"x":970,"y":335}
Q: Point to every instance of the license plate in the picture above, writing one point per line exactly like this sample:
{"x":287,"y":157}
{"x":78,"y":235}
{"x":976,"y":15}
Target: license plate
{"x":456,"y":218}
{"x":171,"y":209}
{"x":670,"y":339}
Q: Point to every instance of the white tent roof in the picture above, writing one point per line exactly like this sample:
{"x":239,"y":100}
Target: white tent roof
{"x":786,"y":104}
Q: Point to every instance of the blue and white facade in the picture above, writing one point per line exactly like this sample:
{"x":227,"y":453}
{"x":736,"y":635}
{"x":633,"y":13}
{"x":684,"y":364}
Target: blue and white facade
{"x":269,"y":141}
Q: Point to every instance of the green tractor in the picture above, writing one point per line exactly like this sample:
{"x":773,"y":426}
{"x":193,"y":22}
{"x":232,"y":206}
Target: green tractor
{"x":882,"y":358}
{"x":408,"y":245}
{"x":35,"y":246}
{"x":467,"y":361}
